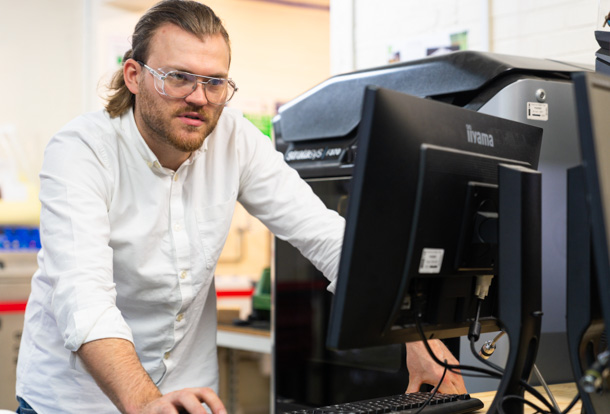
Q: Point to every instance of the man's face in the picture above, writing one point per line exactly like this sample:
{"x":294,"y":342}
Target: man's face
{"x":181,"y":123}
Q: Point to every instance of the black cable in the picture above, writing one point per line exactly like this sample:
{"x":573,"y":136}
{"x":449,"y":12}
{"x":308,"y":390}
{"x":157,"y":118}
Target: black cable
{"x":475,"y":337}
{"x":524,"y":401}
{"x":453,"y":368}
{"x":483,"y":360}
{"x":458,"y":368}
{"x":466,"y":374}
{"x":472,"y":336}
{"x":538,"y":396}
{"x":434,"y":392}
{"x":527,"y":386}
{"x":572,"y":404}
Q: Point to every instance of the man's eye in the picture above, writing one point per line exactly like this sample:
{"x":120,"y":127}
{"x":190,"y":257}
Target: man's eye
{"x":180,"y":77}
{"x":216,"y":82}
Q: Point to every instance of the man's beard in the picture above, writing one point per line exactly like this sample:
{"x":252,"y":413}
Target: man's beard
{"x":160,"y":127}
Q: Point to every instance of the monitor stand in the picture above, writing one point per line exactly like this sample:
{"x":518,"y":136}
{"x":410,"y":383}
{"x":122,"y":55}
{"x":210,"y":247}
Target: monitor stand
{"x":519,"y":281}
{"x":585,"y":321}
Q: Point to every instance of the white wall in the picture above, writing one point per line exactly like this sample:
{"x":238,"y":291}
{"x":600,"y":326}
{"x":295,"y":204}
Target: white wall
{"x":557,"y":29}
{"x":278,"y":51}
{"x":54,"y":53}
{"x":41,"y":70}
{"x":364,"y":30}
{"x":57,"y":57}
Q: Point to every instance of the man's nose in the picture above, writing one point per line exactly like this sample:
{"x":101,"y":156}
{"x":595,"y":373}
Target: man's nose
{"x":197,"y":97}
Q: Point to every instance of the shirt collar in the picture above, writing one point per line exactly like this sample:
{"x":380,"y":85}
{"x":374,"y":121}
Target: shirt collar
{"x":128,"y":123}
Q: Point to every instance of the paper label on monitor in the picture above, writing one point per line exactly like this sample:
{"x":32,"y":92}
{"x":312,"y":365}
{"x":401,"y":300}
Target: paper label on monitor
{"x":431,"y":261}
{"x":538,"y":111}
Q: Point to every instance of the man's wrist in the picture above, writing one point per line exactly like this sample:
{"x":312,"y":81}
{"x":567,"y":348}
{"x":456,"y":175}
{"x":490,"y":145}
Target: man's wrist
{"x":137,"y":404}
{"x":117,"y":370}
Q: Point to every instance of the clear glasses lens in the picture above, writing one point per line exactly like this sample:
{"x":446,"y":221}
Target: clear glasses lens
{"x":181,"y":84}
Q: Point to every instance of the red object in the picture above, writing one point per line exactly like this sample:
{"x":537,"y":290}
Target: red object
{"x":12,"y":306}
{"x":234,"y":293}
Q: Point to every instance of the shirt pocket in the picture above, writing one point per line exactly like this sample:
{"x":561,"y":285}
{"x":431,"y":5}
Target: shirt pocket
{"x":213,"y":223}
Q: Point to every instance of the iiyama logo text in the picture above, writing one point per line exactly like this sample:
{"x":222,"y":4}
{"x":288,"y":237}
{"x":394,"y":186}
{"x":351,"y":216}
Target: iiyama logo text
{"x":480,"y":138}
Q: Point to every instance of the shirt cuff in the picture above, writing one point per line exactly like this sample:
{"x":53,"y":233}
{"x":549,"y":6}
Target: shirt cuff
{"x":109,"y":323}
{"x":332,"y":286}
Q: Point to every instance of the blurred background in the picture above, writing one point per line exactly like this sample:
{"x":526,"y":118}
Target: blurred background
{"x":57,"y":56}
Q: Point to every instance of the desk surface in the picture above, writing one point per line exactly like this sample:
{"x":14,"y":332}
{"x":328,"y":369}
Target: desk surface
{"x":244,"y":338}
{"x":563,"y":393}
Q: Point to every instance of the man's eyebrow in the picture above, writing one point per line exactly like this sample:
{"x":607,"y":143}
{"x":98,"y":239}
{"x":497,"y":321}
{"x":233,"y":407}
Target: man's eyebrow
{"x":217,"y":75}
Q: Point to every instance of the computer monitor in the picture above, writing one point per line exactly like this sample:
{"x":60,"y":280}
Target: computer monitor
{"x":588,"y":299}
{"x":441,"y":196}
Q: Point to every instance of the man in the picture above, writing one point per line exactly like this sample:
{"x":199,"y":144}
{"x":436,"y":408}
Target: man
{"x":136,"y":205}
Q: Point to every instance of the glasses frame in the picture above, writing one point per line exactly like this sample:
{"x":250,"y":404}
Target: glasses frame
{"x":161,"y":75}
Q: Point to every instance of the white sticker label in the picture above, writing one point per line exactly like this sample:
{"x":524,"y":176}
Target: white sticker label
{"x":431,"y":261}
{"x":539,"y":111}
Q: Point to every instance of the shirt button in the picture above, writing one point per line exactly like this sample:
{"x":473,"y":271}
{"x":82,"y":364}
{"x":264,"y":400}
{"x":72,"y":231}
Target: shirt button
{"x":180,"y":317}
{"x":166,"y":355}
{"x":175,"y":177}
{"x":183,"y":274}
{"x":177,"y":227}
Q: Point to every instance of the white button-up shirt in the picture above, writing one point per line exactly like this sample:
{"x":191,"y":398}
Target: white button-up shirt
{"x":129,"y":250}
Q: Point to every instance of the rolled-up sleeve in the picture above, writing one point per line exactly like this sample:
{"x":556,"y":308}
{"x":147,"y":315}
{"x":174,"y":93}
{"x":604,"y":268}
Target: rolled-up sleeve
{"x":76,"y":184}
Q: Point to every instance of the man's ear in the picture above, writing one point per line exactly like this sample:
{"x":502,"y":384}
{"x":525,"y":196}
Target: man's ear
{"x":131,"y":71}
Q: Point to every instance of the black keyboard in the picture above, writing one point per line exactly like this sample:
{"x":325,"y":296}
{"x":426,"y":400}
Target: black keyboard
{"x":402,"y":404}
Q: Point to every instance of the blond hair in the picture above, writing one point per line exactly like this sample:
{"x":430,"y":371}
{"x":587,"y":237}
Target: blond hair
{"x":191,"y":16}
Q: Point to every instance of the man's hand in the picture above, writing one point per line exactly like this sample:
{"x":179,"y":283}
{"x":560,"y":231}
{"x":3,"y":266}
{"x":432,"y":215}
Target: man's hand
{"x":186,"y":400}
{"x":116,"y":368}
{"x":424,"y":370}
